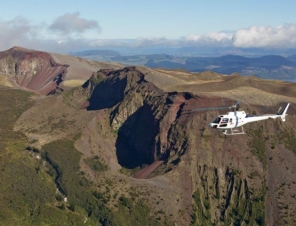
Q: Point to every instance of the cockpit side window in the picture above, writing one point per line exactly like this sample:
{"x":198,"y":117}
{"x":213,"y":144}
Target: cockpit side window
{"x":224,"y":120}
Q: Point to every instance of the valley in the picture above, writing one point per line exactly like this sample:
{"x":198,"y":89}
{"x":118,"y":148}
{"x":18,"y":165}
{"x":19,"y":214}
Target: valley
{"x":100,"y":143}
{"x":267,"y":66}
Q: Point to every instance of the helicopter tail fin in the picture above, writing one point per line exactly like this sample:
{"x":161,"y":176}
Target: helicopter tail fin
{"x":283,"y":115}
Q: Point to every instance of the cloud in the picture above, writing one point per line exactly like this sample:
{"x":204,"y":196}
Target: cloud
{"x":15,"y":32}
{"x":107,"y":43}
{"x":253,"y":37}
{"x":266,"y":37}
{"x":155,"y":42}
{"x":72,"y":23}
{"x":21,"y":32}
{"x":136,"y":43}
{"x":209,"y":39}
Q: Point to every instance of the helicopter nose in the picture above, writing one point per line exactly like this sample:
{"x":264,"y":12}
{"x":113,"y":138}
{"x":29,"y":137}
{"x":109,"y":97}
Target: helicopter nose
{"x":213,"y":125}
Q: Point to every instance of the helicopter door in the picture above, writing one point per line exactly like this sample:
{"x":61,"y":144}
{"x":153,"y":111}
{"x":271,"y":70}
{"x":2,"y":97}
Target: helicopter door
{"x":231,"y":122}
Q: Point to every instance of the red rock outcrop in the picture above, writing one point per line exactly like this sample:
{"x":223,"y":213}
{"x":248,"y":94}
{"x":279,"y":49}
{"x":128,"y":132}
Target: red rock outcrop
{"x":32,"y":70}
{"x":223,"y":179}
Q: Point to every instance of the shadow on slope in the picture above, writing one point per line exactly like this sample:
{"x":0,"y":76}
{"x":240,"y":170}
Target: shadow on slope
{"x":136,"y":138}
{"x":107,"y":95}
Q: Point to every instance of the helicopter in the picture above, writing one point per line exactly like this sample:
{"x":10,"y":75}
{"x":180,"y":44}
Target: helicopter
{"x":232,"y":122}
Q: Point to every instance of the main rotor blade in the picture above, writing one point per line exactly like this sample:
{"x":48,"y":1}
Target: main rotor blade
{"x":236,"y":104}
{"x":234,"y":107}
{"x":210,"y":109}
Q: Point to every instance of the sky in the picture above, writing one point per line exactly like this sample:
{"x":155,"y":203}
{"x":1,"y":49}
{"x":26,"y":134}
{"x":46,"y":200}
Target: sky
{"x":72,"y":25}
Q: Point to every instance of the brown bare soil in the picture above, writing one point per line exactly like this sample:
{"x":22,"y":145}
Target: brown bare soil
{"x":144,"y":173}
{"x":42,"y":72}
{"x":56,"y":121}
{"x":137,"y":116}
{"x":80,"y":69}
{"x":250,"y":90}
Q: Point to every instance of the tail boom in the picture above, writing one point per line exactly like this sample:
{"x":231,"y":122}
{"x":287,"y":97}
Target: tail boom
{"x":283,"y":115}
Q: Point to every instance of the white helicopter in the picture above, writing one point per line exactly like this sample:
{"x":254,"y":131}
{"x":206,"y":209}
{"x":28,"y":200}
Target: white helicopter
{"x":234,"y":119}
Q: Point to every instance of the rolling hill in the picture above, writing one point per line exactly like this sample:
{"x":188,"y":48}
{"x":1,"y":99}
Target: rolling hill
{"x":267,"y":67}
{"x":123,"y":146}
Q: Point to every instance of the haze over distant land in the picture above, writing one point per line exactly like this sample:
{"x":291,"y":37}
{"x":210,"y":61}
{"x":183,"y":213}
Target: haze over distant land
{"x":96,"y":143}
{"x":123,"y":137}
{"x":207,"y":28}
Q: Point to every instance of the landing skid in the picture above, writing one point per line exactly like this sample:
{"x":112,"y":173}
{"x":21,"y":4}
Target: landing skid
{"x":234,"y":131}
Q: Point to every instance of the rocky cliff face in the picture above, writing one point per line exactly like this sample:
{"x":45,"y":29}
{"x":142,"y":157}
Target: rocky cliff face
{"x":32,"y":70}
{"x":222,"y":180}
{"x":142,"y":114}
{"x":136,"y":122}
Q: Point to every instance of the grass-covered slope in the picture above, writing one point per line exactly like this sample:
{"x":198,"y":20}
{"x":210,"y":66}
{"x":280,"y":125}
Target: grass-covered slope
{"x":28,"y":193}
{"x":47,"y":187}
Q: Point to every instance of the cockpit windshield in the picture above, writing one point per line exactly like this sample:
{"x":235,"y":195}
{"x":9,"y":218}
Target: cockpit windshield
{"x":217,"y":120}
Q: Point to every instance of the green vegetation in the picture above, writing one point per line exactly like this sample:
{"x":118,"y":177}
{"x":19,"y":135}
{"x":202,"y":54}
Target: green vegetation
{"x":74,"y":97}
{"x":28,"y":193}
{"x":235,"y":208}
{"x":257,"y":145}
{"x":133,"y":171}
{"x":82,"y":194}
{"x":64,"y":161}
{"x":12,"y":104}
{"x":289,"y":139}
{"x":201,"y":210}
{"x":96,"y":163}
{"x":249,"y":210}
{"x":96,"y":78}
{"x":136,"y":213}
{"x":28,"y":186}
{"x":256,"y":207}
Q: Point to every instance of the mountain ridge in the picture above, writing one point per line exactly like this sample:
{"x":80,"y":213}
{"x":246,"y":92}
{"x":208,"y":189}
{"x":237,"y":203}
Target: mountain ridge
{"x":267,"y":66}
{"x":94,"y":138}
